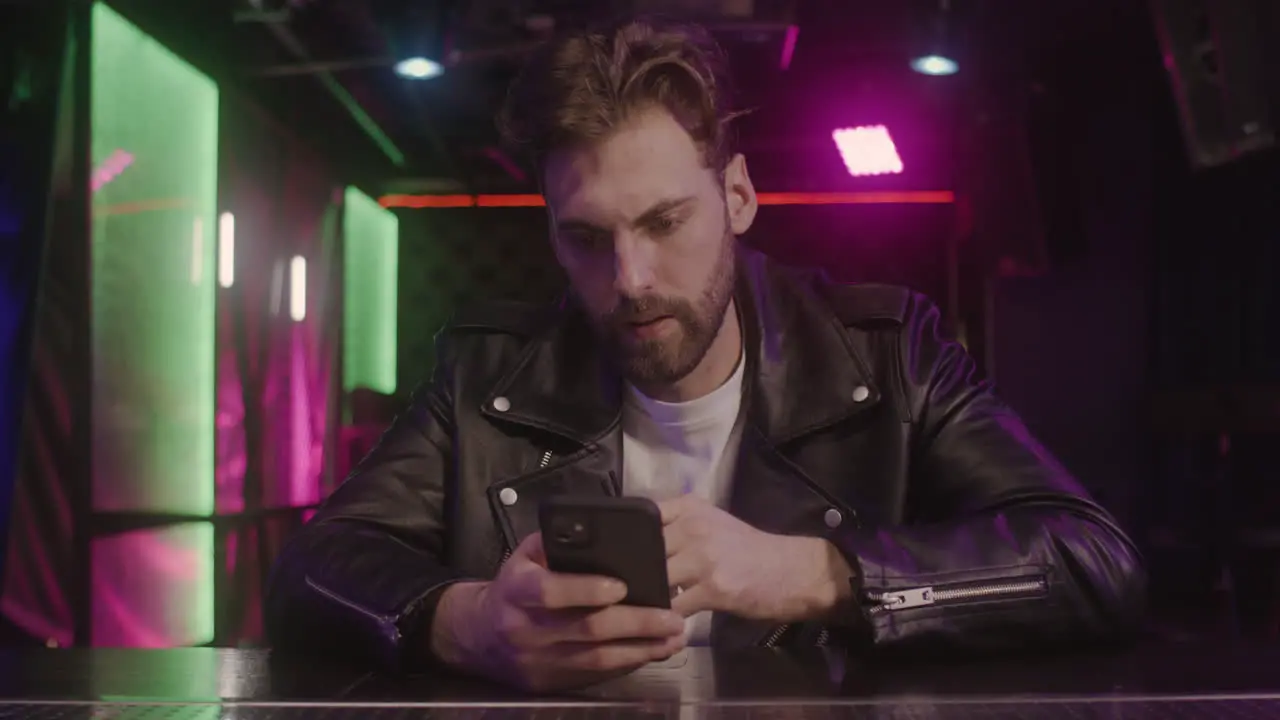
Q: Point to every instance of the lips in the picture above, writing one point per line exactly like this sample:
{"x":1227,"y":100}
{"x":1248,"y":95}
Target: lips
{"x":649,"y":329}
{"x":648,"y":321}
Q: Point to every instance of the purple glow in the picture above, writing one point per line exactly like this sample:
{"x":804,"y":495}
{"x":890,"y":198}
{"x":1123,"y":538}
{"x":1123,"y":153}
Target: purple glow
{"x":110,"y":169}
{"x":868,"y":150}
{"x":789,"y":46}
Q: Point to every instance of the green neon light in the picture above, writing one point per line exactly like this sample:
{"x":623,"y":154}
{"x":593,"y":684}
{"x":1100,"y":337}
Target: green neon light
{"x":371,"y":241}
{"x":154,"y":277}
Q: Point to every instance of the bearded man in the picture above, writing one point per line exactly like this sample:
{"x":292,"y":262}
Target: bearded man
{"x":829,"y":469}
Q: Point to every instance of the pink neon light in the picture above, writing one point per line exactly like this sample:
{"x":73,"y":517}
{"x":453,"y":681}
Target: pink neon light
{"x":789,"y":45}
{"x":110,"y":169}
{"x":868,"y":150}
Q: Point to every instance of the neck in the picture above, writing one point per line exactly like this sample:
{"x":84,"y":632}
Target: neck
{"x":715,"y":369}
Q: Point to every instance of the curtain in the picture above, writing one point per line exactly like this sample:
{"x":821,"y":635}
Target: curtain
{"x":277,"y":345}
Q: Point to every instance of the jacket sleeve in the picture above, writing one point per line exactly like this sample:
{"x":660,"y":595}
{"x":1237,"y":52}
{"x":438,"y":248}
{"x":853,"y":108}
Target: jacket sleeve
{"x":362,"y":576}
{"x":1002,"y":548}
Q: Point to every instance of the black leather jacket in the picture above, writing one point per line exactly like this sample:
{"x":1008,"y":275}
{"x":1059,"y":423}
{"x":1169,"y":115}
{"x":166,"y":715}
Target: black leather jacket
{"x":864,"y":426}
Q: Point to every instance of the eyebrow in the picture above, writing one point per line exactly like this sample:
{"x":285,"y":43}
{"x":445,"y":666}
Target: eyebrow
{"x":658,"y":209}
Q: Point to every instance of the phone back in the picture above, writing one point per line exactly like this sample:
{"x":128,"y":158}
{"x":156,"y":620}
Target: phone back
{"x":618,"y":537}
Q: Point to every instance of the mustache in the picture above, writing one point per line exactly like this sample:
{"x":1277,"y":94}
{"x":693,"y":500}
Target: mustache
{"x":644,"y":309}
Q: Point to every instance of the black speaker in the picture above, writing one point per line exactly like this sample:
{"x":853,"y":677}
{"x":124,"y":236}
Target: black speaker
{"x":1224,"y":75}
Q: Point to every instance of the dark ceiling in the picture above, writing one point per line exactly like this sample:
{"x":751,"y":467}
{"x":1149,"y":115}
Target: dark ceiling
{"x":323,"y":66}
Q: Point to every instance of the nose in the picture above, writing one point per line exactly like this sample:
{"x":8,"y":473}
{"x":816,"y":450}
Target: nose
{"x":632,"y":267}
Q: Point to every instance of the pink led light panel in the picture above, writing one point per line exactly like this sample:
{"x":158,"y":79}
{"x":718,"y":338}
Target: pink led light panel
{"x":868,"y":150}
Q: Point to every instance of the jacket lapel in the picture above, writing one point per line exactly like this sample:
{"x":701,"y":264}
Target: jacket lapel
{"x":805,"y":374}
{"x":562,"y":383}
{"x":563,"y":392}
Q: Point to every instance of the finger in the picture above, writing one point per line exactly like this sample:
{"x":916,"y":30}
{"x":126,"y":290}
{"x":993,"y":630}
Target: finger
{"x":675,"y":508}
{"x":558,"y":591}
{"x":684,"y":570}
{"x":677,"y":536}
{"x":530,"y":549}
{"x":691,"y":601}
{"x":616,"y":656}
{"x":623,"y":622}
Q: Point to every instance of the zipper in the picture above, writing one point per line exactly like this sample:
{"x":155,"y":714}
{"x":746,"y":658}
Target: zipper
{"x":383,"y":621}
{"x":824,"y":636}
{"x":775,"y":636}
{"x":928,"y":596}
{"x":545,"y":460}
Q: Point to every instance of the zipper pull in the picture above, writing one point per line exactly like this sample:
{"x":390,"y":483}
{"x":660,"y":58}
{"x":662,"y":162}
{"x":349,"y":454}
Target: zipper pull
{"x":905,"y":599}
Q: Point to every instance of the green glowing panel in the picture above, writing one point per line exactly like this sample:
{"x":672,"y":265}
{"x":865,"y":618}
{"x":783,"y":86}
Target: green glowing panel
{"x":151,"y":588}
{"x":155,"y":160}
{"x":371,"y":240}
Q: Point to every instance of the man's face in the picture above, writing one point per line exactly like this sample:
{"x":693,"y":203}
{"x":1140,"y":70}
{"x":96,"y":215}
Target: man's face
{"x":645,"y":233}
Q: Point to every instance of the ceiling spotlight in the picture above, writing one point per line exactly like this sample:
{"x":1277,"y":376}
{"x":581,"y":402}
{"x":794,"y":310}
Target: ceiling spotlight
{"x":935,"y":65}
{"x":936,"y":58}
{"x":419,"y":68}
{"x":417,"y":36}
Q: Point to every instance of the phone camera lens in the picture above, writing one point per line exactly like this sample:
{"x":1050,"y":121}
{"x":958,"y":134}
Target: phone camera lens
{"x":570,"y":531}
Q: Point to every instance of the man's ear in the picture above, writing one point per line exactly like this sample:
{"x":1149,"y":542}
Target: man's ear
{"x":740,"y":195}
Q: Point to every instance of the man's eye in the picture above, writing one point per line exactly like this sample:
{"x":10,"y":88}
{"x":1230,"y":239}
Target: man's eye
{"x":663,"y":226}
{"x":588,"y":241}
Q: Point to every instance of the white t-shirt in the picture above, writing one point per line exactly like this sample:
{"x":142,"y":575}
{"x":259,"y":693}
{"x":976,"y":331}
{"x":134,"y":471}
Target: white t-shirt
{"x":670,"y":449}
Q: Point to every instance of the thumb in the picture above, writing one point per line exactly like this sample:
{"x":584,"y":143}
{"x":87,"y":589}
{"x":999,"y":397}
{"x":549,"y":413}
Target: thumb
{"x":531,"y":549}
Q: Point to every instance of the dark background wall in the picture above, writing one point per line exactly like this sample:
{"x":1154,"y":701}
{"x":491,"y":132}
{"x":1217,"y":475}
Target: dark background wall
{"x":1071,"y":346}
{"x":450,"y":257}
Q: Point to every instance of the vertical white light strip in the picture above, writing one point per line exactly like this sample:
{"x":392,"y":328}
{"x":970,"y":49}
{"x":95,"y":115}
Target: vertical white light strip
{"x":226,"y":249}
{"x":298,"y":288}
{"x":197,"y":250}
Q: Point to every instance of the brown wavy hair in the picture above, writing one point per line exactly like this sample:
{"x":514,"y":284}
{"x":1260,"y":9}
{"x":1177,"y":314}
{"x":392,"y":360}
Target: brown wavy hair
{"x":579,"y":88}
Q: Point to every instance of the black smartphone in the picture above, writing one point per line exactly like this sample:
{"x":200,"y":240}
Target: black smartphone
{"x":617,"y":537}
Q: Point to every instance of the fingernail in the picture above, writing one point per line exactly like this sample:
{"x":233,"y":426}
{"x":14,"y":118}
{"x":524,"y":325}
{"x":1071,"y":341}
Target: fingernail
{"x":616,"y":588}
{"x":674,"y":622}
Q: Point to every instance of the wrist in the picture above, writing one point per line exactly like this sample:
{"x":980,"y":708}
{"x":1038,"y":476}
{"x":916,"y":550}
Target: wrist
{"x":453,"y":636}
{"x":825,"y":590}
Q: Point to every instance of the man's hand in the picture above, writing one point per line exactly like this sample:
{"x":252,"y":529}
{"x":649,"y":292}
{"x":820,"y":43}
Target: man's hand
{"x":544,"y":631}
{"x":717,"y":562}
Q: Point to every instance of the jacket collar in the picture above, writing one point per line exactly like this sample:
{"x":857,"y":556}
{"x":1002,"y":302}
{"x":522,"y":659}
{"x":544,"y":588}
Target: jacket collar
{"x":802,"y":373}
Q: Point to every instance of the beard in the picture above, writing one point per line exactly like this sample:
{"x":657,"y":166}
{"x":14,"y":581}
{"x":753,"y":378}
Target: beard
{"x":668,"y":359}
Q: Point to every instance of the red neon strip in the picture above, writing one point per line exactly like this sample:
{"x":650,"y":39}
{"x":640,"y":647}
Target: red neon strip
{"x":908,"y":197}
{"x":509,"y":201}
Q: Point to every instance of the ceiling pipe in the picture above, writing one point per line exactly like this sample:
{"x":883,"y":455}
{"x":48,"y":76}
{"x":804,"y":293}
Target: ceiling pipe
{"x":315,"y":66}
{"x":290,"y":41}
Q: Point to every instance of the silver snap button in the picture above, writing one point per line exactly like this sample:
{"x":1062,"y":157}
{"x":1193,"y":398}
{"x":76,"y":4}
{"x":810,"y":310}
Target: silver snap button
{"x":861,"y":393}
{"x":501,"y":404}
{"x":508,"y":496}
{"x":832,"y":518}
